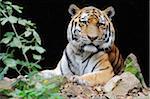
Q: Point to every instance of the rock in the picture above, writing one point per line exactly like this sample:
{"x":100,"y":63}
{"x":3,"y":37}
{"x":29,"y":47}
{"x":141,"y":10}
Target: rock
{"x":74,"y":91}
{"x":141,"y":97}
{"x":7,"y":83}
{"x":109,"y":86}
{"x":99,"y":88}
{"x":110,"y":95}
{"x":129,"y":97}
{"x":121,"y":85}
{"x":125,"y":86}
{"x":146,"y":91}
{"x":127,"y":83}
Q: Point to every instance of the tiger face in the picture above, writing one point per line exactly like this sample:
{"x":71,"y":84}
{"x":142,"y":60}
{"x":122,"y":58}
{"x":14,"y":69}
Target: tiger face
{"x":91,"y":29}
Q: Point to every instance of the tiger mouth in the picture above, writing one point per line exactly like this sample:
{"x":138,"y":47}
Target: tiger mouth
{"x":90,"y":48}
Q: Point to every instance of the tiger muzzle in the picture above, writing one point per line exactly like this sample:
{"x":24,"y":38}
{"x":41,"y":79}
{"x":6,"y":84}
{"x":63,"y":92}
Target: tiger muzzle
{"x":92,"y":38}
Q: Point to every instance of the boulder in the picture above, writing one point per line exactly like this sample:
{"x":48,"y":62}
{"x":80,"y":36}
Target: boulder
{"x":121,"y":85}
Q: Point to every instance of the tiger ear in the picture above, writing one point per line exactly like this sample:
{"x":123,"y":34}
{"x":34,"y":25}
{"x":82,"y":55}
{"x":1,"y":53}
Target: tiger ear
{"x":110,"y":12}
{"x":73,"y":9}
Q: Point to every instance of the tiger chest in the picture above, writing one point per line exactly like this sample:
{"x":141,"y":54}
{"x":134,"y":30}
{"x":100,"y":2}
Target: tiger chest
{"x":86,"y":63}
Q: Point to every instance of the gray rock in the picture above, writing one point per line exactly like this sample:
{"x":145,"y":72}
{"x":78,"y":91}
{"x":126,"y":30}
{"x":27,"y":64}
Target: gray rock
{"x":127,"y":83}
{"x":124,"y":84}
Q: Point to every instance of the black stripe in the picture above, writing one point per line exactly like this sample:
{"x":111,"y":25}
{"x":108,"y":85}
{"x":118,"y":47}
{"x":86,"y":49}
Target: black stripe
{"x":72,"y":26}
{"x":107,"y":35}
{"x":117,"y":59}
{"x":106,"y":41}
{"x":75,"y":29}
{"x":69,"y":62}
{"x":114,"y":56}
{"x":109,"y":28}
{"x":86,"y":65}
{"x":106,"y":18}
{"x":71,"y":30}
{"x":89,"y":56}
{"x":96,"y":65}
{"x":75,"y":24}
{"x":61,"y":69}
{"x":104,"y":68}
{"x":117,"y":66}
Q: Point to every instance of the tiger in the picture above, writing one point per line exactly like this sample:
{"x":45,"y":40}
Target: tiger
{"x":91,"y":54}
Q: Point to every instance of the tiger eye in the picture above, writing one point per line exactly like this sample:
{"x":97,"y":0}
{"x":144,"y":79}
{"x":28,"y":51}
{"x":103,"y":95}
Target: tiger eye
{"x":102,"y":25}
{"x":82,"y":23}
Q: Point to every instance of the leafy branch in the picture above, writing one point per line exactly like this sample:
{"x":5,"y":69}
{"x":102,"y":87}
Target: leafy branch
{"x":26,"y":42}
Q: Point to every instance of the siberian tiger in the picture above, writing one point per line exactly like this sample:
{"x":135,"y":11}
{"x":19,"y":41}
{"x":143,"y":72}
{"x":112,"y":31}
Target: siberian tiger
{"x":91,"y":53}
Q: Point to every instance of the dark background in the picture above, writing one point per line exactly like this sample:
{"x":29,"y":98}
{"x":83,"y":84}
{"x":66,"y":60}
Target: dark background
{"x":52,"y":18}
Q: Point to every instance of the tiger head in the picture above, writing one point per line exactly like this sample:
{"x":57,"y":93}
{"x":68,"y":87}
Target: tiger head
{"x":90,"y":28}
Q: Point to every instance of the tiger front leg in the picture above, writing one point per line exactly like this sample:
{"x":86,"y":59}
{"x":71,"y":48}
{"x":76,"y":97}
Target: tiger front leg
{"x":47,"y":74}
{"x":102,"y":76}
{"x":94,"y":78}
{"x":50,"y":73}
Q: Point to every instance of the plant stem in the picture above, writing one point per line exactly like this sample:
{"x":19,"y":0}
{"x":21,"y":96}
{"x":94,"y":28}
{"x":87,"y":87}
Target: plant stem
{"x":14,"y":29}
{"x":17,"y":71}
{"x":24,"y":54}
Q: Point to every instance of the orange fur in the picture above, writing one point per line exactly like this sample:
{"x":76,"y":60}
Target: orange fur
{"x":100,"y":77}
{"x":116,"y":60}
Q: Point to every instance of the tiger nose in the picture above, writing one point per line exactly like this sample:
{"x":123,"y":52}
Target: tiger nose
{"x":92,"y":38}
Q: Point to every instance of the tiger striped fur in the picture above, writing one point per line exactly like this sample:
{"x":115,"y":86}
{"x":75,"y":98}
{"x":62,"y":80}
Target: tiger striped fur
{"x":91,"y":53}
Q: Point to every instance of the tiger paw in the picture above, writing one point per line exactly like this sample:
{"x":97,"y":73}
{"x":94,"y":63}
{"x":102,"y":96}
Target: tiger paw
{"x":47,"y":74}
{"x":77,"y":79}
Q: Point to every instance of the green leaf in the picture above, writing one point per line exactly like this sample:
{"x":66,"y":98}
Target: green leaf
{"x":7,"y":34}
{"x":17,"y":8}
{"x":22,"y":21}
{"x":8,"y":37}
{"x":22,"y":63}
{"x":1,"y":13}
{"x":35,"y":65}
{"x":27,"y":33}
{"x":55,"y":96}
{"x":15,"y":43}
{"x":2,"y":55}
{"x":37,"y":37}
{"x":15,"y":93}
{"x":31,"y":74}
{"x":10,"y":62}
{"x":8,"y":2}
{"x":37,"y":57}
{"x":9,"y":10}
{"x":132,"y":70}
{"x":32,"y":47}
{"x":5,"y":40}
{"x":29,"y":23}
{"x":25,"y":22}
{"x":129,"y":66}
{"x":4,"y":21}
{"x":3,"y":72}
{"x":25,"y":48}
{"x":12,"y":19}
{"x":39,"y":49}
